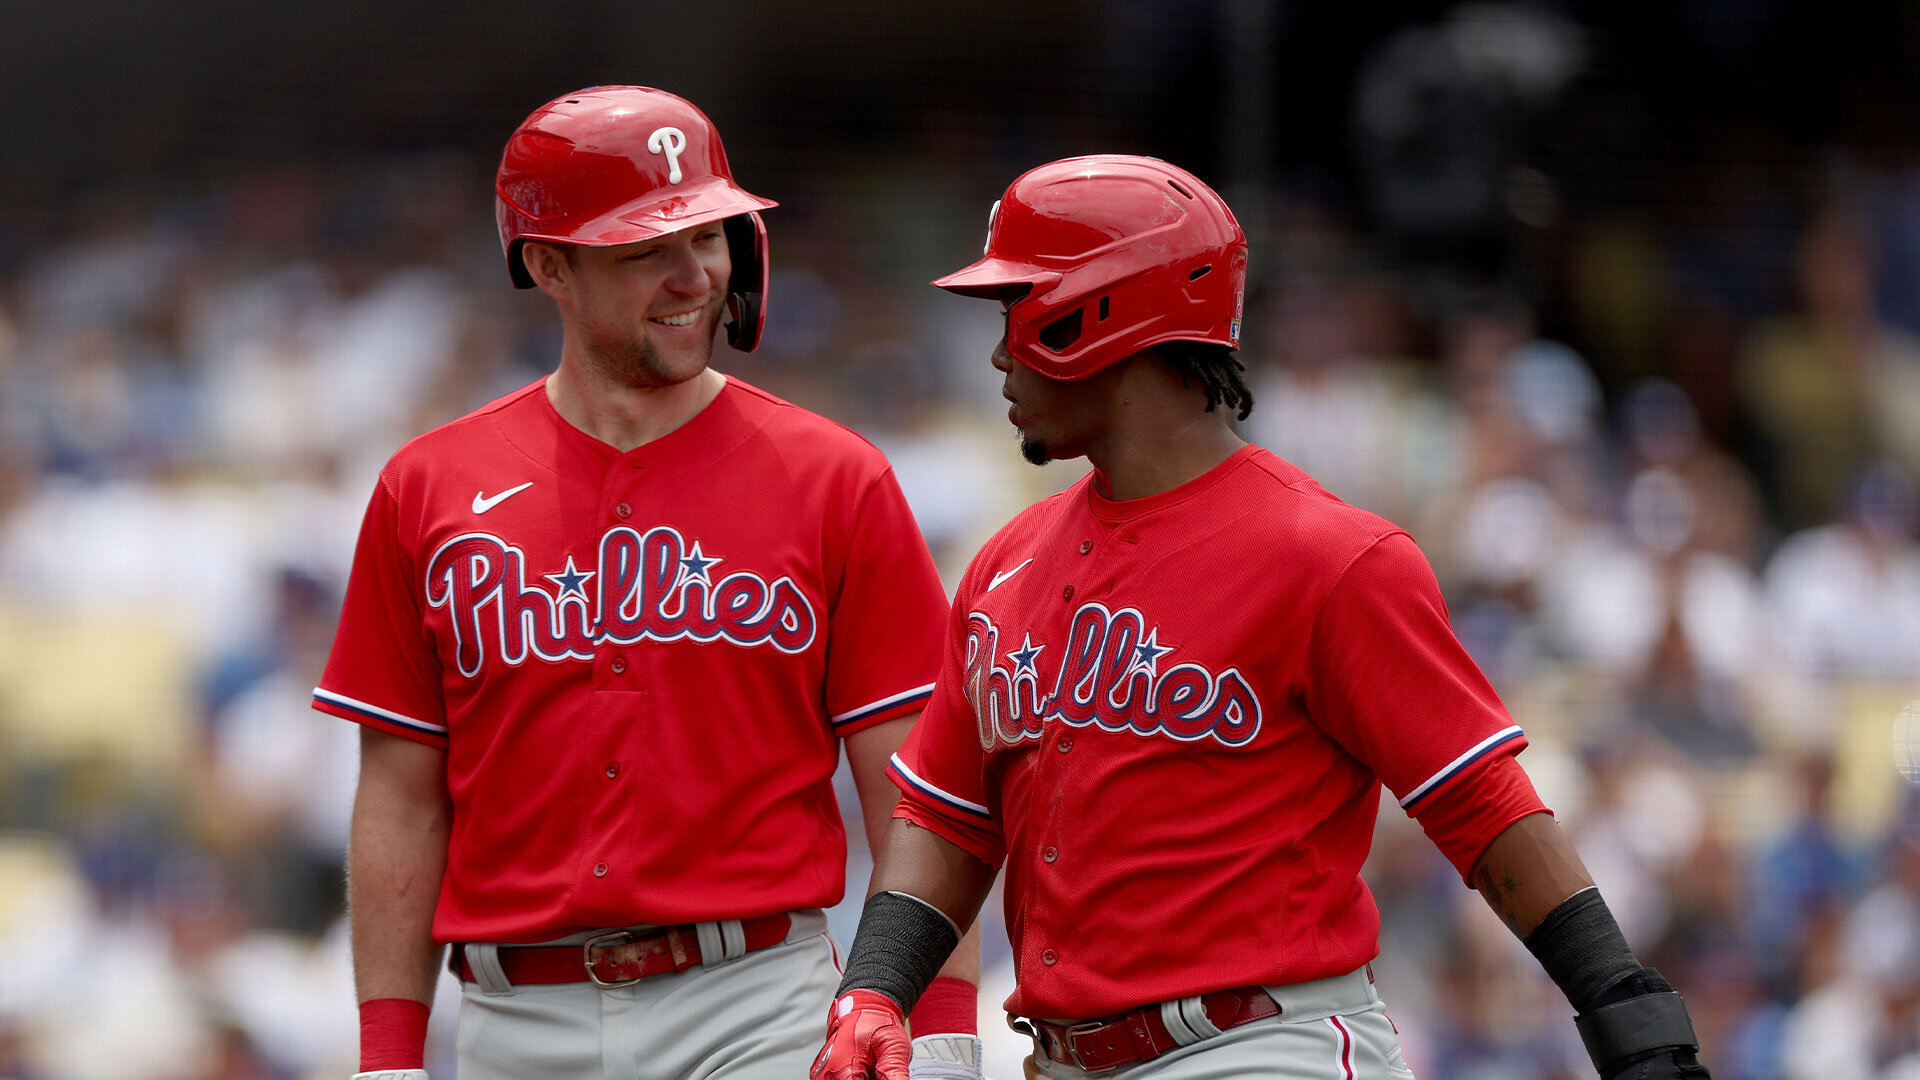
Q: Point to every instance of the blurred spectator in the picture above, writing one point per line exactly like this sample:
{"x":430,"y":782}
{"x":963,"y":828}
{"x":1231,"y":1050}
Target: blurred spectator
{"x":1846,"y":597}
{"x":276,"y":789}
{"x":1832,"y":386}
{"x":1864,"y":1022}
{"x":1799,"y":877}
{"x":1663,"y":605}
{"x":1339,"y":398}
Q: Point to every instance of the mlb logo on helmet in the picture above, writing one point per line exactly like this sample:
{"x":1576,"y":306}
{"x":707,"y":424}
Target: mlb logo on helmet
{"x":1239,"y":297}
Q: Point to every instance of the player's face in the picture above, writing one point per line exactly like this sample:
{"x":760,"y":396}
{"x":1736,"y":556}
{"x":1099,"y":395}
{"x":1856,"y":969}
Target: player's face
{"x":1055,"y":419}
{"x":647,"y":312}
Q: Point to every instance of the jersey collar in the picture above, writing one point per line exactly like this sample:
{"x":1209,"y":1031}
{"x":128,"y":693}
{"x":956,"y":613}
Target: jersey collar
{"x":1127,"y":509}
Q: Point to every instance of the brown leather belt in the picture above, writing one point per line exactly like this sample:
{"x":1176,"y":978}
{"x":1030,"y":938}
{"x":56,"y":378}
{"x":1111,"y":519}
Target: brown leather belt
{"x":1099,"y":1045}
{"x":619,"y":957}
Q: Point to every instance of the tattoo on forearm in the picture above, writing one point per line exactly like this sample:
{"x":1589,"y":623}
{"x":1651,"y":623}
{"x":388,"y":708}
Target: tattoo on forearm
{"x":1496,"y":893}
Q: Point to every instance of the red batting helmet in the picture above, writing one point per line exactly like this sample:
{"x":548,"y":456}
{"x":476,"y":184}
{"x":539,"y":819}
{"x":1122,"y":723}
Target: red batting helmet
{"x":616,"y":164}
{"x":1104,"y":256}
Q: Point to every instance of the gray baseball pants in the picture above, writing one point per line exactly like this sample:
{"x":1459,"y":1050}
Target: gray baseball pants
{"x":763,"y":1014}
{"x":1328,"y":1029}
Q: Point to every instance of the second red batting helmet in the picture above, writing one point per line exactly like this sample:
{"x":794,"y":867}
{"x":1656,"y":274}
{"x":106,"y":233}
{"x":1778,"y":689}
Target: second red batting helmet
{"x":618,"y":164}
{"x":1101,"y":257}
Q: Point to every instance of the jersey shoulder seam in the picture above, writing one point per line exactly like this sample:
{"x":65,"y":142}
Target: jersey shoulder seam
{"x":505,"y":401}
{"x":1341,"y":578}
{"x":498,"y":404}
{"x":1358,"y":516}
{"x":1266,"y":465}
{"x":775,"y":401}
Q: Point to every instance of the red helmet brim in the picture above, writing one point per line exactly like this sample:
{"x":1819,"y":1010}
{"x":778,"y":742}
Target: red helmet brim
{"x":652,"y":216}
{"x":991,"y":277}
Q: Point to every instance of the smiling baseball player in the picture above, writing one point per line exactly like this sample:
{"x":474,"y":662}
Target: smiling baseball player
{"x":1170,"y":696}
{"x":606,"y":636}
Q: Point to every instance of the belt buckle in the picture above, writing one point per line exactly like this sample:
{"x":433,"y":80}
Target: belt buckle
{"x":1073,"y":1045}
{"x":613,"y":938}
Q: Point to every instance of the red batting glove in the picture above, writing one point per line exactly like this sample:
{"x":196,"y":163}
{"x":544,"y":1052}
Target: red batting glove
{"x":866,"y":1038}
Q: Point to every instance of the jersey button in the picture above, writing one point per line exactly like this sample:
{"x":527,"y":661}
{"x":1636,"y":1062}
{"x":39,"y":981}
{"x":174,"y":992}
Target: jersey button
{"x":619,"y":665}
{"x":1050,"y":854}
{"x":1049,"y":957}
{"x":613,"y":769}
{"x":600,"y":870}
{"x":1066,"y":593}
{"x":1065,"y":744}
{"x":623,"y":511}
{"x":1086,"y":546}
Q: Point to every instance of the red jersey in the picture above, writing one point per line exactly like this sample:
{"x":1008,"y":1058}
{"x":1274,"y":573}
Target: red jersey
{"x":1171,"y":717}
{"x":639,"y":664}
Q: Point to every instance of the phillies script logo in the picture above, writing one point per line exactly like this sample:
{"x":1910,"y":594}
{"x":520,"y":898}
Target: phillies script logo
{"x":1107,"y":676}
{"x":646,"y":588}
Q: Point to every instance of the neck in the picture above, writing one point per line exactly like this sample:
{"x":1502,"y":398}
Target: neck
{"x":1160,"y":437}
{"x":624,"y":416}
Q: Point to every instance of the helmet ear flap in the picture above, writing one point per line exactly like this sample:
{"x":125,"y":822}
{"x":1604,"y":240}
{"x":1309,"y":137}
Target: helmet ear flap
{"x":747,"y":288}
{"x":516,"y":265}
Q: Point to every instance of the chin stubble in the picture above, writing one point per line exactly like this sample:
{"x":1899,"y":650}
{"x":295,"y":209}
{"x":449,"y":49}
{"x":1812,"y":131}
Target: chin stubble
{"x":1033,"y":450}
{"x":639,"y":363}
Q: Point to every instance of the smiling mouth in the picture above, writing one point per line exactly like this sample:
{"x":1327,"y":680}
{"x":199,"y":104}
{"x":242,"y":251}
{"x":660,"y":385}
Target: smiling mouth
{"x":685,"y":318}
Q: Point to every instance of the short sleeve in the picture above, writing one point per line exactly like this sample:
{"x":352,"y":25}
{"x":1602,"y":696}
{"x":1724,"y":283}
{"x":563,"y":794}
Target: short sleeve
{"x":1391,"y":684}
{"x":383,"y":671}
{"x":1470,"y":815}
{"x":940,"y":769}
{"x":883,"y":632}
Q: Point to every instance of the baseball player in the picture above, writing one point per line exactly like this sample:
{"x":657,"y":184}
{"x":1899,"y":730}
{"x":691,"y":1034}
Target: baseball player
{"x":606,"y":636}
{"x":1170,"y":695}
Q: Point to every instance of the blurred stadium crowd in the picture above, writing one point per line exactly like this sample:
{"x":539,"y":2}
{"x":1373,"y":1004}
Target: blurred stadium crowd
{"x":1692,"y":571}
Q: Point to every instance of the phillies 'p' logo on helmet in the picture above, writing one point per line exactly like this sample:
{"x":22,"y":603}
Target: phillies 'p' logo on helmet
{"x":1101,"y":257}
{"x":617,"y":164}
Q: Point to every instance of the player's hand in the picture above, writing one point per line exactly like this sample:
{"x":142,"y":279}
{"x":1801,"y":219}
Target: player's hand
{"x":946,"y":1057}
{"x":393,"y":1074}
{"x":866,"y":1040}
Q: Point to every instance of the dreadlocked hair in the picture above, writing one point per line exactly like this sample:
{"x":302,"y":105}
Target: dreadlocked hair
{"x":1216,"y":368}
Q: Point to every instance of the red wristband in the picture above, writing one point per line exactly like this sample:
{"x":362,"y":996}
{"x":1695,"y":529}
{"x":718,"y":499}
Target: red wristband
{"x":949,"y":1007}
{"x":393,"y":1034}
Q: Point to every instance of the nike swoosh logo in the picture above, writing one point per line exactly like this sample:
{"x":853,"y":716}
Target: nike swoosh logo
{"x":482,"y":504}
{"x":1004,"y":575}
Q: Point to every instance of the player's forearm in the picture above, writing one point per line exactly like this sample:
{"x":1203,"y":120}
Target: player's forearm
{"x":1631,"y":1020}
{"x":924,"y":897}
{"x":1529,"y":870}
{"x":397,"y":853}
{"x":867,"y":755}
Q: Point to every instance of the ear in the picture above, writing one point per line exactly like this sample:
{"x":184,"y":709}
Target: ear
{"x":549,"y":269}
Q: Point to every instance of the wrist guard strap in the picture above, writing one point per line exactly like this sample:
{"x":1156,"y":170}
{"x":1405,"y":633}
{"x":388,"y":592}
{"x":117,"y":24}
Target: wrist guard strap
{"x":1639,"y":1027}
{"x":901,"y":943}
{"x":1582,"y":949}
